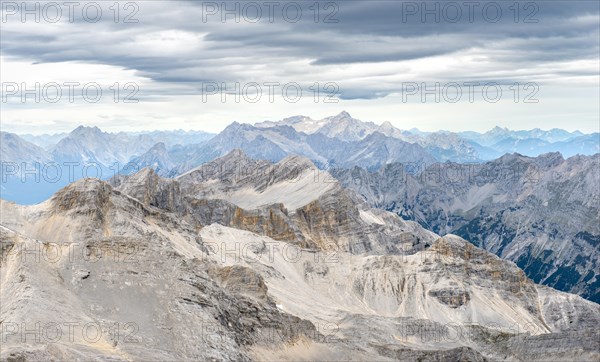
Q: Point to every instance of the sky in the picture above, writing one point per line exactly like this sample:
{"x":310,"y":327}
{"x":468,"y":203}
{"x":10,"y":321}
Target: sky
{"x":145,"y":65}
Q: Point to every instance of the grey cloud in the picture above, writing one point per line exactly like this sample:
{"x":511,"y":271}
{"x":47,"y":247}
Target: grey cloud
{"x":367,"y":32}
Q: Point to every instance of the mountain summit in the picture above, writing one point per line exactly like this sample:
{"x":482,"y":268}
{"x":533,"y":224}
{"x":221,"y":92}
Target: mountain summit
{"x":341,"y":126}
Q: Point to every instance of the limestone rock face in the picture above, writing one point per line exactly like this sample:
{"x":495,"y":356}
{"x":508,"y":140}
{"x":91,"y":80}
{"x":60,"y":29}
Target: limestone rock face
{"x":146,"y":286}
{"x":541,"y":213}
{"x":453,"y":297}
{"x":144,"y":268}
{"x":291,"y":200}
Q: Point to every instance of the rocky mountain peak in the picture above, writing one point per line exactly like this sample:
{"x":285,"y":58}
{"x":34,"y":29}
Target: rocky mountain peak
{"x":231,"y":164}
{"x":551,"y":159}
{"x":84,"y":194}
{"x":298,"y":162}
{"x":498,"y":129}
{"x":386,"y":126}
{"x":235,"y":155}
{"x":342,"y":115}
{"x":158,"y":148}
{"x":86,"y":130}
{"x":7,"y":135}
{"x":296,"y":119}
{"x":341,"y":118}
{"x":510,"y":158}
{"x":235,"y":127}
{"x":143,"y":174}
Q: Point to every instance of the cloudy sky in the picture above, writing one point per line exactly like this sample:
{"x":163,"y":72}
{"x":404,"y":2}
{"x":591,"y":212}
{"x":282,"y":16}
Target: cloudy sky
{"x":200,"y":65}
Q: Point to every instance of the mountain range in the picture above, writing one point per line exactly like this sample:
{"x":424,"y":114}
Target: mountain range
{"x":542,"y":213}
{"x":339,"y":141}
{"x":33,"y":172}
{"x":247,"y":259}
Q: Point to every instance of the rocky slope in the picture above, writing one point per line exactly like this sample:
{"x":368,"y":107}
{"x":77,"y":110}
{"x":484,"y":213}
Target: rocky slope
{"x":171,"y":270}
{"x":291,"y":200}
{"x":124,"y":282}
{"x":542,"y":213}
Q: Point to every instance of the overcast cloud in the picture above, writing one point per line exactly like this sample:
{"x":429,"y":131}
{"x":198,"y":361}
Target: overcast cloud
{"x":366,"y":52}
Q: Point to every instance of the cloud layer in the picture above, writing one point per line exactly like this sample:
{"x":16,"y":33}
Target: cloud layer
{"x":367,"y":48}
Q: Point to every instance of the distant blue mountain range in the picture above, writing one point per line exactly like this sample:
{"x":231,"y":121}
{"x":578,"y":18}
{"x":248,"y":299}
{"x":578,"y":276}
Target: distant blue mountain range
{"x":34,"y":167}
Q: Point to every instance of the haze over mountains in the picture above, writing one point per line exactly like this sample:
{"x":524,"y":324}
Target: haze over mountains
{"x":33,"y":172}
{"x":339,"y":141}
{"x":244,"y":259}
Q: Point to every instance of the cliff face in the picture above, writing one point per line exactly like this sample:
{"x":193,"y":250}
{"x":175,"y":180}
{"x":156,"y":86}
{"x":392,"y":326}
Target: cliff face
{"x":541,"y":213}
{"x":169,"y":270}
{"x":290,"y":201}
